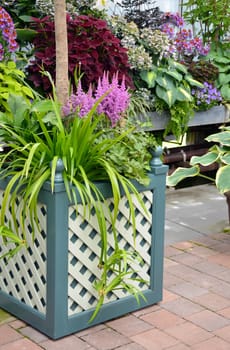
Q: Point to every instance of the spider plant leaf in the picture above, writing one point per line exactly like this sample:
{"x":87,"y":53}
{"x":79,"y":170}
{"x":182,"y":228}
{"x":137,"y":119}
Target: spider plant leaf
{"x":97,"y":308}
{"x":30,"y":158}
{"x":4,"y":205}
{"x":53,"y":171}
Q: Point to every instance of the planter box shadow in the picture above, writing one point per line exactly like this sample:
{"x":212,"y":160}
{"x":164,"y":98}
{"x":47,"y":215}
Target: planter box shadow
{"x":50,"y":285}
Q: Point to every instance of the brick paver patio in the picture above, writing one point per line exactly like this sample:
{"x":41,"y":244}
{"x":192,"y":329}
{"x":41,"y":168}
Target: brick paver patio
{"x":194,"y":313}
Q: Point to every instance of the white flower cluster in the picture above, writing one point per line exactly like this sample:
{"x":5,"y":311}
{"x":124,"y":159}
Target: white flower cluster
{"x":142,"y":44}
{"x":139,"y":58}
{"x":46,"y":7}
{"x":156,"y":40}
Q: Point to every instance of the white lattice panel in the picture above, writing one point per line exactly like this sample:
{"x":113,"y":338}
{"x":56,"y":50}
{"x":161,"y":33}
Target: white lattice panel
{"x":84,"y":250}
{"x":24,"y":276}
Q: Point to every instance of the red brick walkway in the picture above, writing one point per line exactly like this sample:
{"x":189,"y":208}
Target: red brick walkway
{"x":194,"y":314}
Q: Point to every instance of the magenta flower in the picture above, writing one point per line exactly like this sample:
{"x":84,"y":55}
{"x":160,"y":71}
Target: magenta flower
{"x":182,"y":40}
{"x":113,"y":105}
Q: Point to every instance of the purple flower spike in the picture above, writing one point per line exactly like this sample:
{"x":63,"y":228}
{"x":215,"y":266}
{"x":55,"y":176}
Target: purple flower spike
{"x":113,"y":105}
{"x":8,"y":42}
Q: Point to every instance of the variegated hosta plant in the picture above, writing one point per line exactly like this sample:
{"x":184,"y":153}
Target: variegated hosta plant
{"x":172,"y":85}
{"x":219,"y":153}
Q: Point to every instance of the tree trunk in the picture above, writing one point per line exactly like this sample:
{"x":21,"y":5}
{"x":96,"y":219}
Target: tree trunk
{"x":61,"y":41}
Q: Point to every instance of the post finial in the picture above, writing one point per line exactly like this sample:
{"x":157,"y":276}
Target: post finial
{"x":156,"y":159}
{"x":59,"y":170}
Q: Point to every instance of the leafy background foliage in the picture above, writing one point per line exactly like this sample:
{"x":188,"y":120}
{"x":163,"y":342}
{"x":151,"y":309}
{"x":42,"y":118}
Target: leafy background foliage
{"x":93,"y":49}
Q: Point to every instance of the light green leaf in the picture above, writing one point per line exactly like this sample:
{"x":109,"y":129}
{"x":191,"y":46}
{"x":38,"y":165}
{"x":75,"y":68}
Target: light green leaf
{"x":175,"y":75}
{"x":193,"y":82}
{"x":225,"y":158}
{"x":181,"y":174}
{"x":166,"y":82}
{"x":206,"y":159}
{"x":225,"y":92}
{"x":42,"y":106}
{"x":223,"y":179}
{"x":224,"y":78}
{"x":178,"y":66}
{"x":27,"y":91}
{"x":50,"y":118}
{"x":221,"y":59}
{"x":167,"y":95}
{"x":18,"y":106}
{"x":222,"y":137}
{"x":183,"y":94}
{"x":149,"y":77}
{"x":11,"y":65}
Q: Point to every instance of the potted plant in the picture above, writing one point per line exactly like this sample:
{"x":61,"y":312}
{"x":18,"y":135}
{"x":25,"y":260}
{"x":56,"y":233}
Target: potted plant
{"x":56,"y":179}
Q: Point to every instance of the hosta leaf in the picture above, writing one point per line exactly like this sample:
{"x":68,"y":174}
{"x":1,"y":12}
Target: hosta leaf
{"x":225,"y":92}
{"x":183,"y":94}
{"x":166,"y":95}
{"x":224,"y":78}
{"x":222,"y":137}
{"x":223,"y":69}
{"x":165,"y":82}
{"x":223,"y":179}
{"x":193,"y":81}
{"x":149,"y":77}
{"x":225,"y":158}
{"x":175,"y":75}
{"x":181,"y":174}
{"x":178,"y":66}
{"x":222,"y":59}
{"x":205,"y":160}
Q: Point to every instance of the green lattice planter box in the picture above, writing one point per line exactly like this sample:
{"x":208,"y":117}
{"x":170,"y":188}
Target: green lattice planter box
{"x":51,"y":286}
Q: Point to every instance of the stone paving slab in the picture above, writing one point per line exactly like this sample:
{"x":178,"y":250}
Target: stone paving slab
{"x":194,"y":212}
{"x":194,"y":313}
